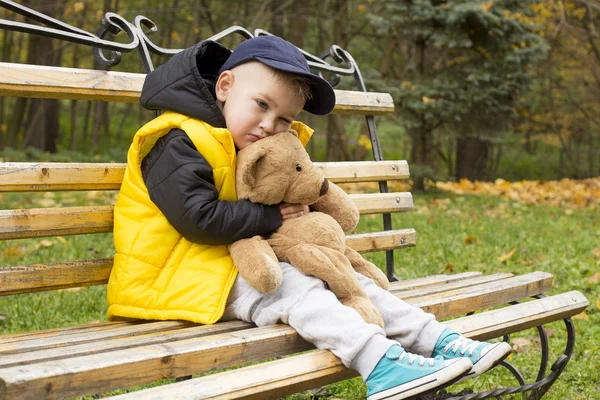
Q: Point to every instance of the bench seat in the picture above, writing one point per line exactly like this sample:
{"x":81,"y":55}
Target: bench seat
{"x":49,"y":364}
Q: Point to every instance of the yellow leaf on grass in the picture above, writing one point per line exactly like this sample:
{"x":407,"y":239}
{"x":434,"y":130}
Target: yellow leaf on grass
{"x":487,"y":6}
{"x":582,"y":315}
{"x":519,"y":345}
{"x":44,"y":243}
{"x":505,"y":257}
{"x":62,"y":239}
{"x":470,"y":239}
{"x":598,"y":303}
{"x":594,"y":278}
{"x":14,"y":251}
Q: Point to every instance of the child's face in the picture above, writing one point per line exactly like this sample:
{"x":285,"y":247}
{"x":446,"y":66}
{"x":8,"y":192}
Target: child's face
{"x":256,"y":104}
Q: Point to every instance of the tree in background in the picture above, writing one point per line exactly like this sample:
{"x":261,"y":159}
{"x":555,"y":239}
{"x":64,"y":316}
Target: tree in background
{"x":459,"y":67}
{"x":562,"y":111}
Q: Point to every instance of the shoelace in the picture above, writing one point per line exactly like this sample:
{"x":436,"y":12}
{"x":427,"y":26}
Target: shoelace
{"x":413,"y":357}
{"x":468,"y":344}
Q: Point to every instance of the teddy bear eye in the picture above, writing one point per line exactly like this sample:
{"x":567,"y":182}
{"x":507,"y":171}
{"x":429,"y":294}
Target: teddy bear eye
{"x":298,"y":167}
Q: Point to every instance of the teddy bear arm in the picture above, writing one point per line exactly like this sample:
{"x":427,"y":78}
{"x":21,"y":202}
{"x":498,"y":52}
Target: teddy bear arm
{"x":328,"y":265}
{"x":340,"y":206}
{"x":367,"y":268}
{"x":257,"y":263}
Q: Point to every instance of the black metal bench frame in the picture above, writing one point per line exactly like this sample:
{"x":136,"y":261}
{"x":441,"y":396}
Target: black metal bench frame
{"x":112,"y":24}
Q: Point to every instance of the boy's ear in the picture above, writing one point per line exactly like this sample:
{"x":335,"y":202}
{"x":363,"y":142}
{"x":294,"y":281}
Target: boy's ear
{"x":223,"y":85}
{"x":249,"y":166}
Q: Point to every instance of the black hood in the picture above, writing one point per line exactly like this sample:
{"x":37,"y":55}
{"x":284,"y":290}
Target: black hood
{"x":186,"y":83}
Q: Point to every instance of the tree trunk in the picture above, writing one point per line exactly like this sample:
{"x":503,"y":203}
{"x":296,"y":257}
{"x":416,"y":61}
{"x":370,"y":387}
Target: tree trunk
{"x":471,"y":158}
{"x":277,"y":19}
{"x":301,"y":11}
{"x":337,"y":146}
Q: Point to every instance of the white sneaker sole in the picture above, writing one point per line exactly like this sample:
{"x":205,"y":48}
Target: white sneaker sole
{"x":492,"y":358}
{"x":437,"y":380}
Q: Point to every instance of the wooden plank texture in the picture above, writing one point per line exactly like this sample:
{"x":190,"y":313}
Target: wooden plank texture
{"x":42,"y":277}
{"x":47,"y":176}
{"x":74,"y":333}
{"x":37,"y":81}
{"x":44,"y":222}
{"x":48,"y":346}
{"x":61,"y":275}
{"x":126,"y":367}
{"x":293,"y":374}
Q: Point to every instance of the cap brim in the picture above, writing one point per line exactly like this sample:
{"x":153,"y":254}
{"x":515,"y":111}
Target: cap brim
{"x":323,"y":95}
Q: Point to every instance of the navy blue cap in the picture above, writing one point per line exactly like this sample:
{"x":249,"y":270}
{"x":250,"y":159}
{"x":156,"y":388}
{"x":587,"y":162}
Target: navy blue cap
{"x":284,"y":56}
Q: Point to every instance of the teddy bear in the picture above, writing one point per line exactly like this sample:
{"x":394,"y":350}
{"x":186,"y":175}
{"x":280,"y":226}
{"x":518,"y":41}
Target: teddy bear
{"x":278,"y":169}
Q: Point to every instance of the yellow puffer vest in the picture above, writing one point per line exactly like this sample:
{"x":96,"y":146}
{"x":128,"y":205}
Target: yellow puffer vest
{"x":158,"y":274}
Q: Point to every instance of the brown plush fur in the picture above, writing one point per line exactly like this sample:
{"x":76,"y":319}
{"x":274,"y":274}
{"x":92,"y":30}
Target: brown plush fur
{"x":278,"y":169}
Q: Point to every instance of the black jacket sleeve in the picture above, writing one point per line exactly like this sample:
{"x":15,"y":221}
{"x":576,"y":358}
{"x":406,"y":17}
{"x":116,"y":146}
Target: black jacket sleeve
{"x":181,"y":184}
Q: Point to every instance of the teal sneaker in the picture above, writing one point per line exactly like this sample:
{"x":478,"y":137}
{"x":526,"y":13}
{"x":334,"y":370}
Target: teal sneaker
{"x":402,"y":375}
{"x":452,"y":345}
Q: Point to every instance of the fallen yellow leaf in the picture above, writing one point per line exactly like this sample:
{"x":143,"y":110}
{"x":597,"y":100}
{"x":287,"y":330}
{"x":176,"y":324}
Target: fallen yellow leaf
{"x":62,"y":239}
{"x":519,"y":345}
{"x":582,"y":315}
{"x":44,"y":243}
{"x":487,"y":6}
{"x":14,"y":251}
{"x":470,"y":239}
{"x":505,"y":257}
{"x":594,"y":278}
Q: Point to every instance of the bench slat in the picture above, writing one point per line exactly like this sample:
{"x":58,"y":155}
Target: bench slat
{"x":37,"y":81}
{"x":34,"y":177}
{"x":294,"y":374}
{"x":122,"y":368}
{"x":44,"y":222}
{"x":62,"y":275}
{"x":70,"y":332}
{"x":377,"y":203}
{"x":64,"y":221}
{"x":61,"y":346}
{"x":42,"y":277}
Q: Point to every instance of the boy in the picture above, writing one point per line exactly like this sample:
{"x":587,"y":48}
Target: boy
{"x":177,"y":211}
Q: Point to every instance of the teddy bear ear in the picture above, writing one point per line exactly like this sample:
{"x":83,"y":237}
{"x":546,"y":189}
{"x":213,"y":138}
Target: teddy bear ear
{"x":249,"y":166}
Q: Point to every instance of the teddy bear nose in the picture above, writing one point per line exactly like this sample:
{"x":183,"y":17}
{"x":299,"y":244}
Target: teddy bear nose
{"x":324,"y":187}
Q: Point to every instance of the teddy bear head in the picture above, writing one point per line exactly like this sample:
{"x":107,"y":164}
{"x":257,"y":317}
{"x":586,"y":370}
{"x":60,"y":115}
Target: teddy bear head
{"x":278,"y":169}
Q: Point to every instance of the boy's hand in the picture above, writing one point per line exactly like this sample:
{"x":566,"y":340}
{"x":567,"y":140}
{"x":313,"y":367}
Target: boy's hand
{"x":292,"y":210}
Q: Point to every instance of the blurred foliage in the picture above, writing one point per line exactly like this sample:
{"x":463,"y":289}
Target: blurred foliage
{"x":516,"y":75}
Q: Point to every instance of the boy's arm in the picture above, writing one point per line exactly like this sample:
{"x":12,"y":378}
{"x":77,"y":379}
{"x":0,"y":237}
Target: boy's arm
{"x":180,"y":183}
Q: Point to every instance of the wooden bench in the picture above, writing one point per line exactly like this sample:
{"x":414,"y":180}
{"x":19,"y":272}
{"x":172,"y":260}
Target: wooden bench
{"x":95,"y":358}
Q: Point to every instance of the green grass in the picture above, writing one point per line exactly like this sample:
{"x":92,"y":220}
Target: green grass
{"x":454,"y":234}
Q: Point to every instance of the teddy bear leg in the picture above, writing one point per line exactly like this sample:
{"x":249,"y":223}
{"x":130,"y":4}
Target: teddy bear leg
{"x":365,"y":308}
{"x":367,"y":268}
{"x":334,"y":268}
{"x":257,"y":263}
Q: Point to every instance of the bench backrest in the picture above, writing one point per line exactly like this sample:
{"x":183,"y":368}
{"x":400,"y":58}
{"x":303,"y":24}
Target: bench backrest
{"x":69,"y":83}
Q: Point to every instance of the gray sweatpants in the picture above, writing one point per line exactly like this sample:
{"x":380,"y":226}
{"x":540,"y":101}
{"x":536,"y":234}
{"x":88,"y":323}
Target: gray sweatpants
{"x":305,"y":303}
